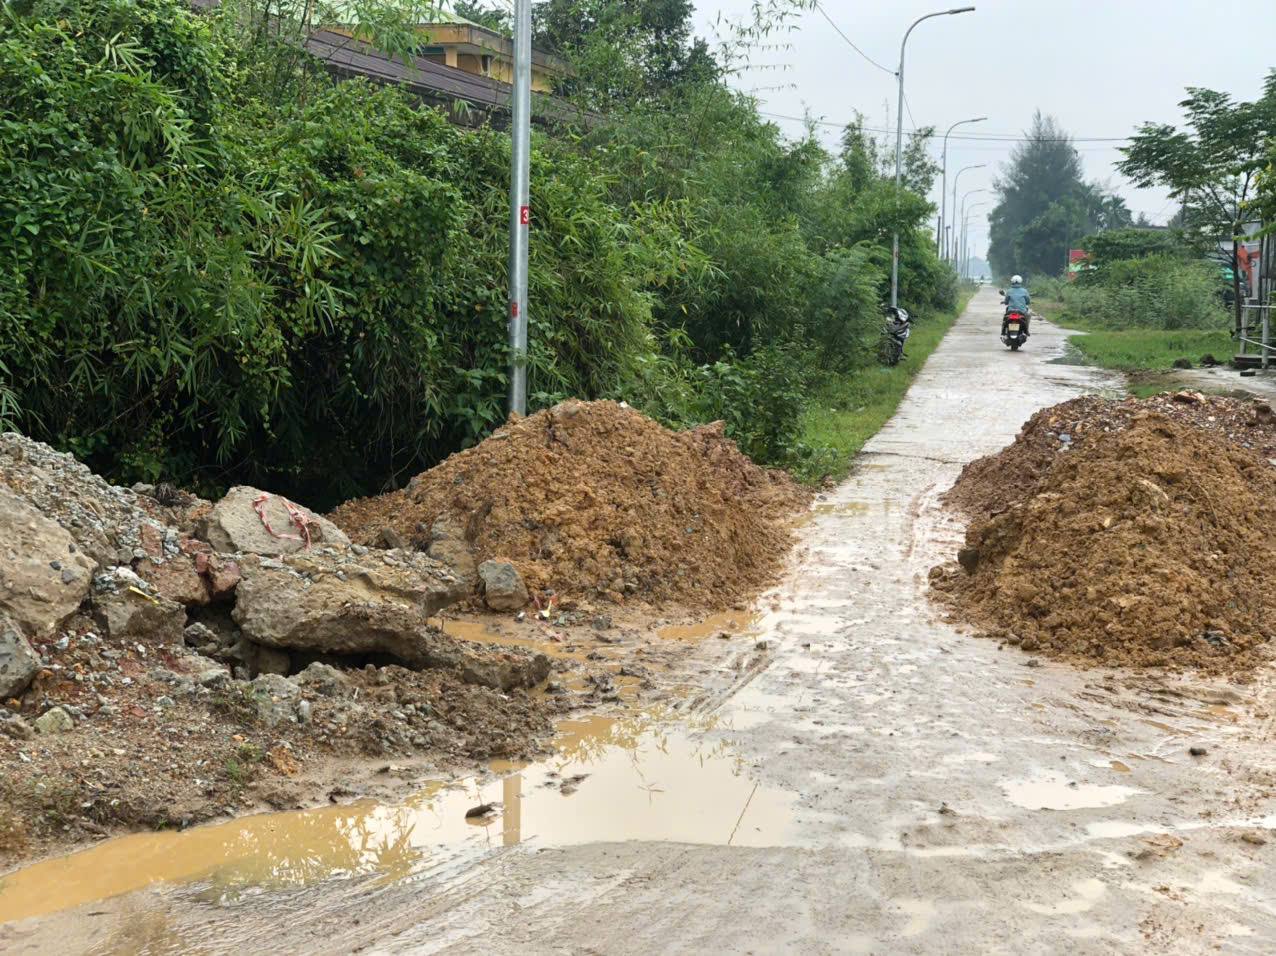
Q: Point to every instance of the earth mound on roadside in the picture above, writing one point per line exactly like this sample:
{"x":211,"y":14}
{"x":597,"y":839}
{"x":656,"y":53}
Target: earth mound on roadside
{"x":987,"y":484}
{"x":594,"y":498}
{"x":1147,"y":544}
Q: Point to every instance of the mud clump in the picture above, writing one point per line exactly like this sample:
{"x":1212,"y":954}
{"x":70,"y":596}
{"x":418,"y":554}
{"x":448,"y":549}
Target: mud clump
{"x":1147,"y":544}
{"x":595,"y":499}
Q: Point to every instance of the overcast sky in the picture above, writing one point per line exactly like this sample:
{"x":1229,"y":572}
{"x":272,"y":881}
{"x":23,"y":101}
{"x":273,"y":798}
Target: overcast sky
{"x":1100,"y":66}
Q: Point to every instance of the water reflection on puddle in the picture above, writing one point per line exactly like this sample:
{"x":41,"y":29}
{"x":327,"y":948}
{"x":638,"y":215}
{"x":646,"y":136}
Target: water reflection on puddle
{"x":612,"y":779}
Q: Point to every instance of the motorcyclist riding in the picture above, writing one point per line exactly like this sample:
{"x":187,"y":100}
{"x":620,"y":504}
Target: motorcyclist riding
{"x":1018,"y":299}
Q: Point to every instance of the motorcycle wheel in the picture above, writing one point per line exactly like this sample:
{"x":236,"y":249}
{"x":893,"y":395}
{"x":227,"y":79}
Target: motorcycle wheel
{"x":1014,"y":346}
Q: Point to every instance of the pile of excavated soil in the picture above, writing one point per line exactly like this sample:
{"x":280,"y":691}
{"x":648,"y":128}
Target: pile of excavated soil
{"x":1148,"y":544}
{"x":988,"y":484}
{"x":593,"y":498}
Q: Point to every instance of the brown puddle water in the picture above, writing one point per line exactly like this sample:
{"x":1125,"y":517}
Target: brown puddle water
{"x":484,"y":632}
{"x":732,"y":623}
{"x":612,"y":779}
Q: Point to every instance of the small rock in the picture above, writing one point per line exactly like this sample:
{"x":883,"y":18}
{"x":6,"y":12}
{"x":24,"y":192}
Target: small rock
{"x":322,"y":679}
{"x":968,"y":558}
{"x":1197,"y":751}
{"x":1030,"y":643}
{"x":14,"y":726}
{"x":54,"y":721}
{"x":503,"y":587}
{"x":18,"y":661}
{"x":304,"y":711}
{"x":390,"y":539}
{"x":1254,"y":838}
{"x":164,"y":702}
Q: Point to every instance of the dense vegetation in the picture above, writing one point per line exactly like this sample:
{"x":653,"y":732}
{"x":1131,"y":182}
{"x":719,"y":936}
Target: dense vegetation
{"x":1146,"y":279}
{"x":224,"y":266}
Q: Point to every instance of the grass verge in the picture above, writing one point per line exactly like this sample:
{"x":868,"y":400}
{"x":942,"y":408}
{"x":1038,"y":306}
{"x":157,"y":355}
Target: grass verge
{"x":850,"y":409}
{"x":1138,"y":350}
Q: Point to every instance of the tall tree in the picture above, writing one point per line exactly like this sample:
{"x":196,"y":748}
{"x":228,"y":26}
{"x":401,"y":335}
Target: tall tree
{"x":624,"y":49}
{"x":1045,"y":205}
{"x":1212,"y":165}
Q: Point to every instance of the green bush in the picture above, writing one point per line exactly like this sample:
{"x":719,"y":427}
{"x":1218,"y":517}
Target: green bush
{"x":1157,"y":292}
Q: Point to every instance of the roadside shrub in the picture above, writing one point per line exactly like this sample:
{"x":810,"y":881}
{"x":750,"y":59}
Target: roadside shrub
{"x":760,"y":398}
{"x":1157,"y":292}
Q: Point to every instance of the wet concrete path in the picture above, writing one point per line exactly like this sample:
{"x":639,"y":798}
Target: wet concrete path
{"x":855,"y":776}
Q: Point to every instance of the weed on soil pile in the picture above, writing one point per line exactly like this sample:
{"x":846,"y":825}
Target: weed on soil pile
{"x":1147,"y":543}
{"x":593,"y":498}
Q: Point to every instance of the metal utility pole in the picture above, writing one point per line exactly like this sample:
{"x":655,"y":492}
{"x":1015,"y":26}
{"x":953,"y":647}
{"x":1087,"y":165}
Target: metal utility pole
{"x":965,"y":231}
{"x":943,"y":189}
{"x":899,"y":142}
{"x":956,"y":183}
{"x":520,"y":208}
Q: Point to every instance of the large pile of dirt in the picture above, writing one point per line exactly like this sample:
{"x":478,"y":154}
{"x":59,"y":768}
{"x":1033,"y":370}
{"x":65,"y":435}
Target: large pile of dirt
{"x":1148,"y":544}
{"x":987,"y":484}
{"x":593,"y":498}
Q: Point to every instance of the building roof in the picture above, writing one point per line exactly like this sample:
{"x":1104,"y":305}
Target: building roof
{"x":432,"y":82}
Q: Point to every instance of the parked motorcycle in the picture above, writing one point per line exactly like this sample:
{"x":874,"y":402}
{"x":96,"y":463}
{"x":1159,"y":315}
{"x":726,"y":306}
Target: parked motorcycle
{"x":898,"y":327}
{"x":1014,"y":327}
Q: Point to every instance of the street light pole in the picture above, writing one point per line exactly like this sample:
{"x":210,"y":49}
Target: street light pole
{"x":520,"y":208}
{"x":965,"y":231}
{"x":899,"y":143}
{"x":943,"y":189}
{"x":956,"y":183}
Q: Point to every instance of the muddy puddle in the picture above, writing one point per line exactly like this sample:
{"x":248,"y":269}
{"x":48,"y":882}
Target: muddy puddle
{"x":638,"y":777}
{"x":728,"y":624}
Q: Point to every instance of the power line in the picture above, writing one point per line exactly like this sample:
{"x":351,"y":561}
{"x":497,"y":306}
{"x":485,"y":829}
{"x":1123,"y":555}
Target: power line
{"x":884,"y":69}
{"x":908,"y":108}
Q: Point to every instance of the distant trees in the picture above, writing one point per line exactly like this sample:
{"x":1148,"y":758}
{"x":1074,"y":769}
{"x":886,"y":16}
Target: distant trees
{"x":1044,"y":205}
{"x":1212,"y":165}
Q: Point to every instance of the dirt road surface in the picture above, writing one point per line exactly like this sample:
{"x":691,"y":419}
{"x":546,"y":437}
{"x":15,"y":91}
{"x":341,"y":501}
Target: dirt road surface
{"x":852,"y":776}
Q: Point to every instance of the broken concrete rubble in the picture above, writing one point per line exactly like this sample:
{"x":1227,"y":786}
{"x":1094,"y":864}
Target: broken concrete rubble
{"x":342,"y":603}
{"x":43,"y":575}
{"x":506,"y":674}
{"x":234,"y":525}
{"x":107,"y":523}
{"x":449,"y":546}
{"x":18,"y":662}
{"x":125,"y":606}
{"x":275,"y":698}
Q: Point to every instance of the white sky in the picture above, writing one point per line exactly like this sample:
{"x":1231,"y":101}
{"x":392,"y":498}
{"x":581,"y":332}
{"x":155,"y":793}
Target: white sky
{"x":1100,"y":66}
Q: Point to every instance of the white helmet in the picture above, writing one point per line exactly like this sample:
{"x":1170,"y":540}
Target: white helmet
{"x":1016,"y":280}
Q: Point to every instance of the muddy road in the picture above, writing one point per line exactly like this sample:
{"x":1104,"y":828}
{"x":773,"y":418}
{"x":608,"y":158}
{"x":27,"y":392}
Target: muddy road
{"x":848,"y":775}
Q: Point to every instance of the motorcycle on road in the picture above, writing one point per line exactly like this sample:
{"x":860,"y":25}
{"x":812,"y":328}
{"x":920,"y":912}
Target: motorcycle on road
{"x":1014,"y":327}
